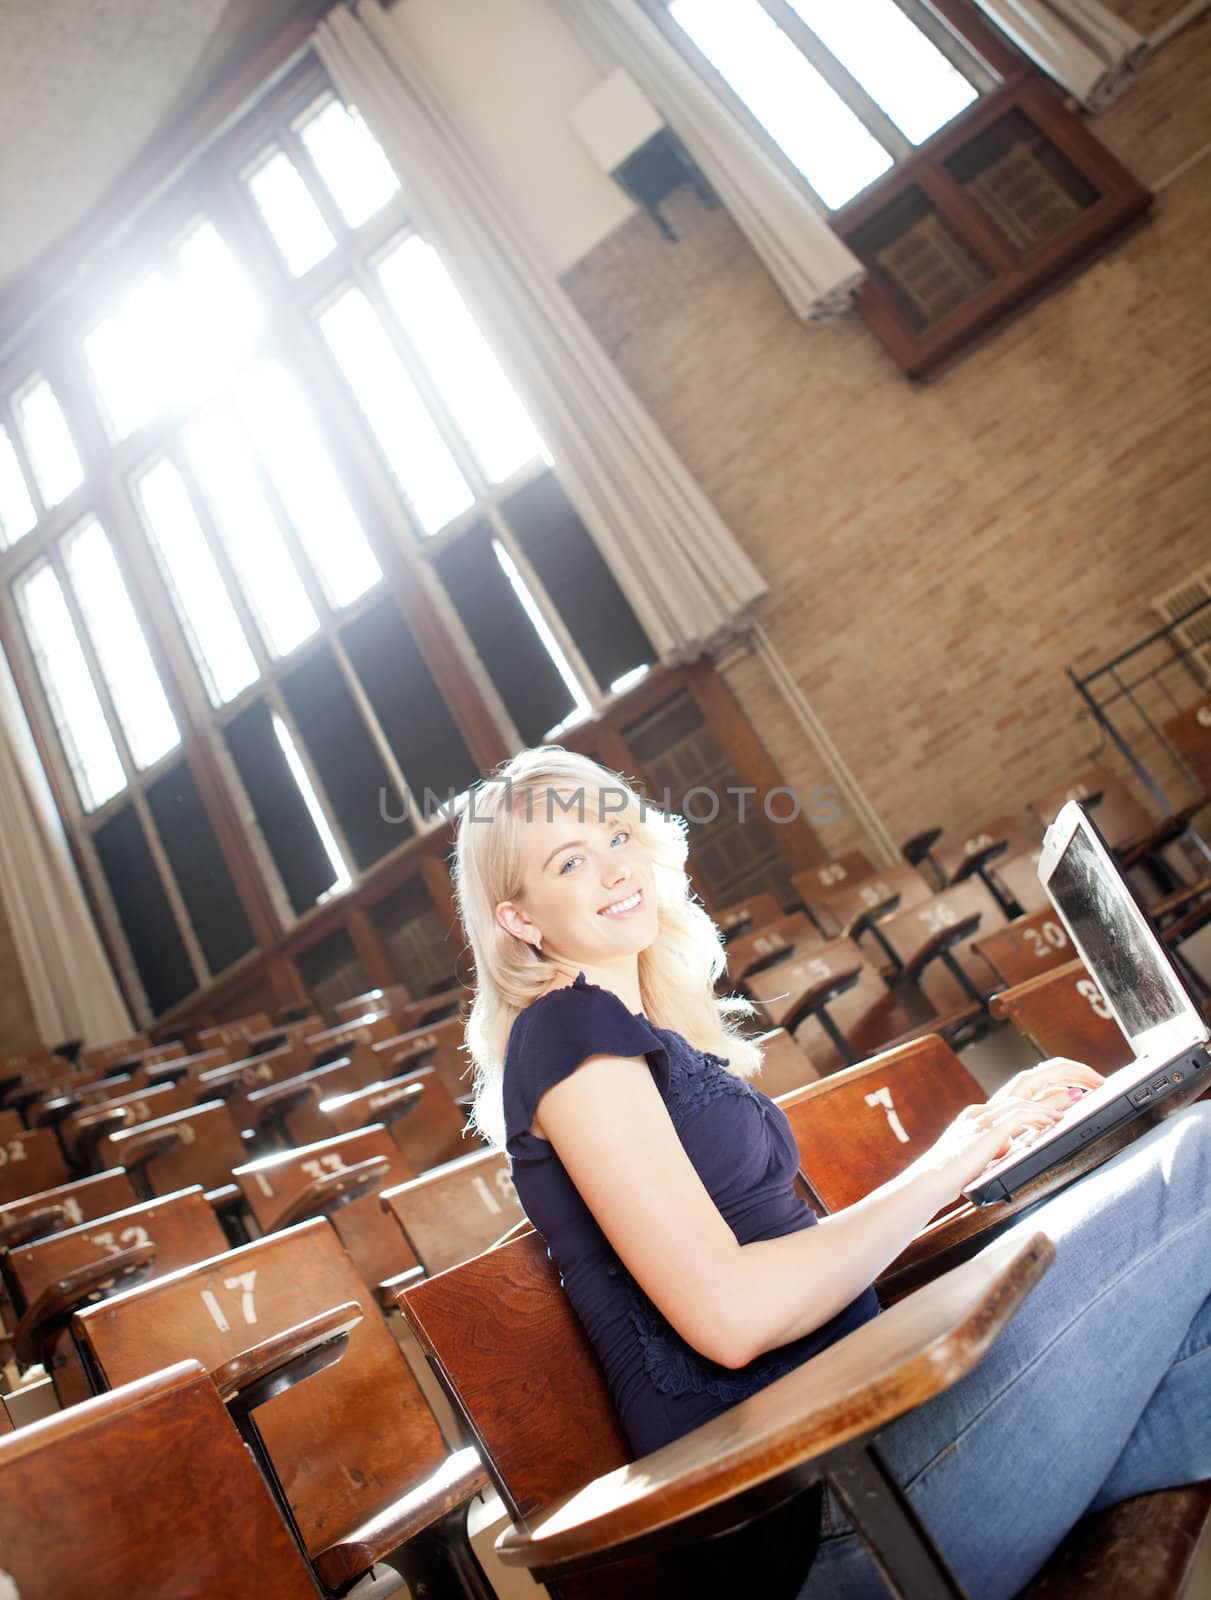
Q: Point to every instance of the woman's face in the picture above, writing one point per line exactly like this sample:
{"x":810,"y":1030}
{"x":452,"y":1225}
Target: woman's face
{"x":588,"y":893}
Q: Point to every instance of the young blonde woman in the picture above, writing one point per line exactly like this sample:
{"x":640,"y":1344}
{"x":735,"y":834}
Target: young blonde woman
{"x":662,"y":1182}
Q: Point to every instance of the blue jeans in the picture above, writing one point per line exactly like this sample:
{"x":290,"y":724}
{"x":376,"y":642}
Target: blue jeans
{"x":1100,"y":1387}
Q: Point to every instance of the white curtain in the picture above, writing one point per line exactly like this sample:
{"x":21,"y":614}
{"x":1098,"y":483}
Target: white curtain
{"x":1080,"y":43}
{"x":812,"y":267}
{"x":687,"y":579}
{"x":69,"y":982}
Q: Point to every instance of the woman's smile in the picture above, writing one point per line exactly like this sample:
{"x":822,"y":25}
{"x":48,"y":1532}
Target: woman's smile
{"x":625,"y":907}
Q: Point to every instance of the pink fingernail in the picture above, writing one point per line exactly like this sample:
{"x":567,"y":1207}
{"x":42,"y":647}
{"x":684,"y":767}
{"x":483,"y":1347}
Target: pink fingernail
{"x":1076,"y":1094}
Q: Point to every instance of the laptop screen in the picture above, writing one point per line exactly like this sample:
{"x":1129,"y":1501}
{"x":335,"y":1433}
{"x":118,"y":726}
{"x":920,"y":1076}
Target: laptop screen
{"x":1115,"y":941}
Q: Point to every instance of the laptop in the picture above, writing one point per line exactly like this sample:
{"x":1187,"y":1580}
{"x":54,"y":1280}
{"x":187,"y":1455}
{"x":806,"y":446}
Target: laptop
{"x":1135,"y":973}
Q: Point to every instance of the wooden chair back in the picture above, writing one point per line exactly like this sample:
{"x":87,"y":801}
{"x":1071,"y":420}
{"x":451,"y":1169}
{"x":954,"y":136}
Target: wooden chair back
{"x":393,"y":998}
{"x":10,"y":1124}
{"x":126,"y":1110}
{"x":440,"y":1046}
{"x":951,"y":854}
{"x":50,"y":1277}
{"x":457,"y":1211}
{"x":162,"y":1497}
{"x":836,"y":907}
{"x":292,"y":1104}
{"x":1119,"y":816}
{"x":239,"y":1079}
{"x":868,"y":1015}
{"x":99,"y":1056}
{"x":747,"y":916}
{"x":82,"y":1201}
{"x":1026,"y":947}
{"x":232,"y":1035}
{"x":859,"y":1128}
{"x":294,"y":1182}
{"x":910,"y":931}
{"x":188,"y":1069}
{"x":30,"y":1161}
{"x":429,"y":1129}
{"x":1019,"y":877}
{"x":367,"y":1029}
{"x":348,"y":1443}
{"x":198,"y":1145}
{"x":774,"y":942}
{"x":439,"y":1006}
{"x":1064,"y":1013}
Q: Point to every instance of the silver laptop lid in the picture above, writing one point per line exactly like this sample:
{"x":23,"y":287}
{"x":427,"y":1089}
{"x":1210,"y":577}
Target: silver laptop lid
{"x":1114,"y":939}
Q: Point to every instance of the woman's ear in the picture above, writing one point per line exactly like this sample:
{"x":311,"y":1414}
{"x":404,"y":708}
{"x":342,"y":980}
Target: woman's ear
{"x":513,"y":920}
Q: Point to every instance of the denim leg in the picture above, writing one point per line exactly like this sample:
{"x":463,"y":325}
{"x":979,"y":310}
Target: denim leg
{"x":1000,"y":1466}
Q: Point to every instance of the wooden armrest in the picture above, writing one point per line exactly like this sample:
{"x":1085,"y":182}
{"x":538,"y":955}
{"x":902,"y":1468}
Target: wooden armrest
{"x":915,"y":850}
{"x":145,"y":1148}
{"x":939,"y":943}
{"x":33,"y":1225}
{"x":776,"y":1443}
{"x":387,"y":1292}
{"x":869,"y":915}
{"x":974,"y":863}
{"x":322,"y":1196}
{"x":54,"y":1306}
{"x":284,"y":1359}
{"x":460,"y":1476}
{"x":275,"y":1103}
{"x":52,"y":1112}
{"x":90,"y":1133}
{"x":818,"y":995}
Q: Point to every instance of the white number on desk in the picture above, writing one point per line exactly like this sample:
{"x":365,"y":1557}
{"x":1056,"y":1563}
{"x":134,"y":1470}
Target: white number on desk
{"x":1049,"y":936}
{"x":1203,"y":716}
{"x":1089,"y":991}
{"x":873,"y":894}
{"x":830,"y":875}
{"x":973,"y":846}
{"x":321,"y":1166}
{"x":245,"y":1283}
{"x":14,"y":1150}
{"x":485,"y":1194}
{"x":129,"y":1239}
{"x":72,"y":1208}
{"x":882,"y":1097}
{"x":936,"y":918}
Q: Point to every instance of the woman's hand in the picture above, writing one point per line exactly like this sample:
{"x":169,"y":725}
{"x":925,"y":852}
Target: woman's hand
{"x":1057,"y":1082}
{"x":979,"y":1136}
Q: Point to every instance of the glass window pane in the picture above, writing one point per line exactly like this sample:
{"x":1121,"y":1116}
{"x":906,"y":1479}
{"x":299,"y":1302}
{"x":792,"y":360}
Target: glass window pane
{"x":74,"y":704}
{"x":134,"y":685}
{"x":482,"y":400}
{"x":207,"y":615}
{"x":798,"y":107}
{"x":159,"y":952}
{"x":280,"y":422}
{"x":416,"y":452}
{"x":218,"y":317}
{"x":900,"y":67}
{"x":127,"y":391}
{"x":291,"y":214}
{"x":52,"y":453}
{"x":350,"y":161}
{"x":17,"y":514}
{"x":255,"y":547}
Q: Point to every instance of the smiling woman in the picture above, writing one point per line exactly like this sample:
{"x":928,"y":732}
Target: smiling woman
{"x":664,"y":1186}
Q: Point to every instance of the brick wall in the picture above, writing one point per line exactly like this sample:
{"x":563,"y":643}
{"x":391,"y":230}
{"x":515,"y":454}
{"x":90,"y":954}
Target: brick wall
{"x":939,"y":554}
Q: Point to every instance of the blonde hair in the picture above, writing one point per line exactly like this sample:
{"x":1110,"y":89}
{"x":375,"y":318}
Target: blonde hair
{"x":677,"y":973}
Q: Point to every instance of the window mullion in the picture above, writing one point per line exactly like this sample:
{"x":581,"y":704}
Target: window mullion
{"x":946,"y":39}
{"x":108,"y":912}
{"x":868,"y":111}
{"x":180,"y":912}
{"x":246,"y":819}
{"x":100,"y":683}
{"x":377,"y":736}
{"x":277,"y":701}
{"x":420,"y":376}
{"x":312,"y":586}
{"x":592,"y":690}
{"x":235,"y":590}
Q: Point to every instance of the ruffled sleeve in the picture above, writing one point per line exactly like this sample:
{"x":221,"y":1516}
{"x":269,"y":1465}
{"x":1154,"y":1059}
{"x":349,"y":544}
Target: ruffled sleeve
{"x":557,"y":1034}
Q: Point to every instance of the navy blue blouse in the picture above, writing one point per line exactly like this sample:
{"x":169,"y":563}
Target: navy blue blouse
{"x":742,"y":1148}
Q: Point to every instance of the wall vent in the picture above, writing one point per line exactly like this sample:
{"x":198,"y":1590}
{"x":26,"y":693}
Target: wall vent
{"x":1193,"y":635}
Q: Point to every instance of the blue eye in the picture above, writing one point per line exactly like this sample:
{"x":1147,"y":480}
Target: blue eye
{"x":571,"y":861}
{"x":623,"y":833}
